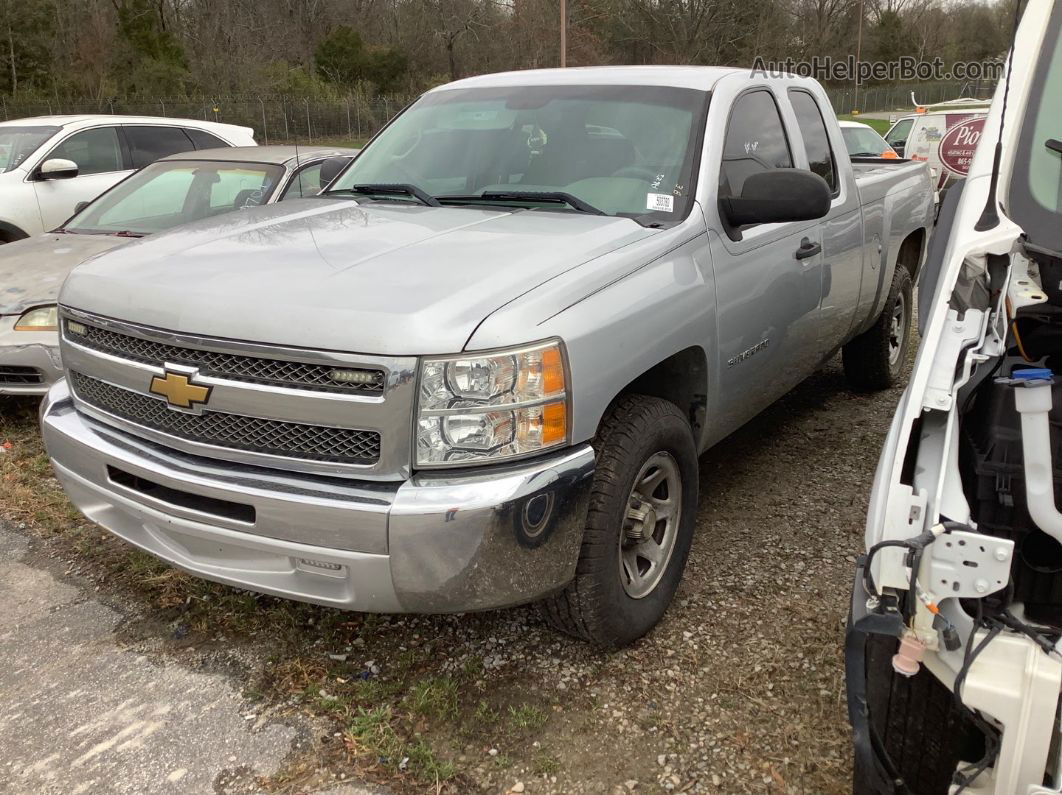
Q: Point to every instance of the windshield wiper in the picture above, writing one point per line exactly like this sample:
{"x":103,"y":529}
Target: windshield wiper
{"x":1054,"y":145}
{"x":388,"y":189}
{"x":106,"y":232}
{"x":545,"y":197}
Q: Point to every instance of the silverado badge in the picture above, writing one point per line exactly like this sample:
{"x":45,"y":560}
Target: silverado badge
{"x":179,"y":390}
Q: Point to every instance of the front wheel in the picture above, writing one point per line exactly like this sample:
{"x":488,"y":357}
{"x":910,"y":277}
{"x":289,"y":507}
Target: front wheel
{"x":639,"y":525}
{"x":874,"y":360}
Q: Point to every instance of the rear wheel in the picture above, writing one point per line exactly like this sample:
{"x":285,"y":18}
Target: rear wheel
{"x":639,"y":525}
{"x":874,"y":360}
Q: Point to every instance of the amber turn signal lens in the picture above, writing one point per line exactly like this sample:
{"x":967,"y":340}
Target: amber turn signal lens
{"x":552,"y":371}
{"x":554,"y":423}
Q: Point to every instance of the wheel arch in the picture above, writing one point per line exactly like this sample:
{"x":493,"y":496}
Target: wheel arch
{"x":680,"y":379}
{"x":912,"y":251}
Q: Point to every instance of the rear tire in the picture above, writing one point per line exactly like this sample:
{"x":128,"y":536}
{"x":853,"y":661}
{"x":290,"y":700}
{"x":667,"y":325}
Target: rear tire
{"x":639,"y":525}
{"x":917,"y":720}
{"x":875,"y":359}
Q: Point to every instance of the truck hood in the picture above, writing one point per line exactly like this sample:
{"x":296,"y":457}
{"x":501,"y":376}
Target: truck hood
{"x":332,"y":274}
{"x":33,"y":270}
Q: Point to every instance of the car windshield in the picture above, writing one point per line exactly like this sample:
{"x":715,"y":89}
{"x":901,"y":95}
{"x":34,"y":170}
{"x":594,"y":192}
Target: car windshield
{"x":169,"y":193}
{"x":18,"y":143}
{"x":618,"y":150}
{"x":863,"y":142}
{"x":1036,"y":189}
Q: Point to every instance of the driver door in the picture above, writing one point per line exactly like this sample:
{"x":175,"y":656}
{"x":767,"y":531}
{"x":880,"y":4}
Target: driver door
{"x":768,"y":277}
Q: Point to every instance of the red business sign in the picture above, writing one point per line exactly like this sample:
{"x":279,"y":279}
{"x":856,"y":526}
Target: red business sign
{"x":959,"y":143}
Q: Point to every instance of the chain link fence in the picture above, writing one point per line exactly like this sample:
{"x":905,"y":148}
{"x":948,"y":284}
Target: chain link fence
{"x":275,"y":119}
{"x":354,"y":118}
{"x":870,"y":99}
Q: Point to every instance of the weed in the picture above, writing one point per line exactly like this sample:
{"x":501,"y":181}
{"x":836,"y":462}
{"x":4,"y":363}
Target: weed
{"x":526,"y":717}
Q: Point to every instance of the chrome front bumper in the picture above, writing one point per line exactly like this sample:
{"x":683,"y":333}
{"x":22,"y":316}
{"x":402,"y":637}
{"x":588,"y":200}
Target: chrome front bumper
{"x":38,"y":350}
{"x":437,"y":543}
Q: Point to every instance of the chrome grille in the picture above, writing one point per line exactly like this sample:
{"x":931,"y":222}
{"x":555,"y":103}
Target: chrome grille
{"x":234,"y":367}
{"x":235,"y":431}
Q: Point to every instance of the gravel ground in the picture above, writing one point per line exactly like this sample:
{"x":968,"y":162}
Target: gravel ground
{"x":740,"y":689}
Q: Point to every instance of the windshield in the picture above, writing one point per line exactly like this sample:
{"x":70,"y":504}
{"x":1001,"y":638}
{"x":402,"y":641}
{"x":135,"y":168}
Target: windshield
{"x":1036,"y":189}
{"x":18,"y":143}
{"x":622,"y":150}
{"x":863,"y":142}
{"x":166,"y":194}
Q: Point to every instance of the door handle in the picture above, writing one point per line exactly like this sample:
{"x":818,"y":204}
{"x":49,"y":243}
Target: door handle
{"x":807,"y":249}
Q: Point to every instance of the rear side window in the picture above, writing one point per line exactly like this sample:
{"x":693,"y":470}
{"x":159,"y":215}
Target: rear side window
{"x":148,"y":144}
{"x":204,"y":140}
{"x":816,"y":139}
{"x":95,"y":151}
{"x":755,"y":141}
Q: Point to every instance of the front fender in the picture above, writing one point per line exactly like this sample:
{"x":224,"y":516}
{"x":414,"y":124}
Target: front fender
{"x":619,"y":316}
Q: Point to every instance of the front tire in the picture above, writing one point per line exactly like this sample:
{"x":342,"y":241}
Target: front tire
{"x":874,"y":360}
{"x":639,"y":525}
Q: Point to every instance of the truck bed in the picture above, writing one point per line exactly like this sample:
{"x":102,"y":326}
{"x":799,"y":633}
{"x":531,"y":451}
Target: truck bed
{"x":876,"y":177}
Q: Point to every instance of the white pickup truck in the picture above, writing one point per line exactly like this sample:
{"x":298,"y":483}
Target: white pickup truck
{"x":479,"y":369}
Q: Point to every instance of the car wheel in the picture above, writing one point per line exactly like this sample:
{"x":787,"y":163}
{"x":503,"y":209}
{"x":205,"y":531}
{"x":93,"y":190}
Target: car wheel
{"x":639,"y":525}
{"x":875,"y":359}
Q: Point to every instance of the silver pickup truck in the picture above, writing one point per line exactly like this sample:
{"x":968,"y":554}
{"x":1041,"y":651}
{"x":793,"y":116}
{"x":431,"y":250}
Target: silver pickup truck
{"x":478,"y":371}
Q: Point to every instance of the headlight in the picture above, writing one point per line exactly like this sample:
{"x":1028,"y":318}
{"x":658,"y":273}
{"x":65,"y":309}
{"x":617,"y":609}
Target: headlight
{"x":490,"y":407}
{"x":43,"y":318}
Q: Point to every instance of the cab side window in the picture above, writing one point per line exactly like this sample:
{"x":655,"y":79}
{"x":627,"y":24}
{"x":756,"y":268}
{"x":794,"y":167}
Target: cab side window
{"x":816,"y":139}
{"x":755,"y":141}
{"x":95,"y":151}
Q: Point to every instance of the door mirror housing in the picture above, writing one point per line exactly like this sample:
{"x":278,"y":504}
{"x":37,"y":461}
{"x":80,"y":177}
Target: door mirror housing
{"x":779,"y":195}
{"x":330,"y":169}
{"x":80,"y":206}
{"x":57,"y":168}
{"x":898,"y":146}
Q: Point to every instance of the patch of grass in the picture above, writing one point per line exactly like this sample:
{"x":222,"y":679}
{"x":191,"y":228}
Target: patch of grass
{"x":545,"y":764}
{"x":434,"y":697}
{"x":375,"y":733}
{"x":526,"y":717}
{"x":881,"y":126}
{"x":485,"y":715}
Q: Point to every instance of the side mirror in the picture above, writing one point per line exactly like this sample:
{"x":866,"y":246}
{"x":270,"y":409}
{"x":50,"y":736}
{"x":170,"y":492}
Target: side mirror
{"x":898,"y":147}
{"x":57,"y":168}
{"x":776,"y":196}
{"x":80,"y":206}
{"x":330,"y":169}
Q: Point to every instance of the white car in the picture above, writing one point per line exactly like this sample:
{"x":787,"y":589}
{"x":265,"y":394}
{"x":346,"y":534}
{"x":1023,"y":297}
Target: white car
{"x":862,"y":140}
{"x":51,"y":164}
{"x":171,"y":192}
{"x":954,"y":646}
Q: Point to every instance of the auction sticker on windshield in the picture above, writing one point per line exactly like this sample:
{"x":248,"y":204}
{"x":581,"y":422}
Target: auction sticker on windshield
{"x":958,"y":145}
{"x":660,"y":202}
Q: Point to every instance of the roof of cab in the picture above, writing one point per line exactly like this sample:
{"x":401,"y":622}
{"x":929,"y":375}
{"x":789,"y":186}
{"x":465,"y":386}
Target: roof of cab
{"x":279,"y":155}
{"x":702,"y":78}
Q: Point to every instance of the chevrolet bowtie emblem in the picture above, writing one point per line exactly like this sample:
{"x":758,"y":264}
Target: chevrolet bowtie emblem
{"x":178,"y":390}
